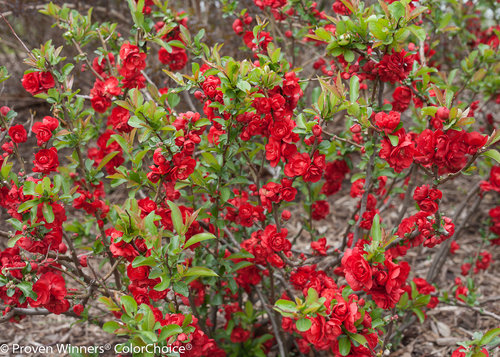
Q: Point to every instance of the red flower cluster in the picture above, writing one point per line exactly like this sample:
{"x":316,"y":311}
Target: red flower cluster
{"x":387,"y":122}
{"x":395,"y":67}
{"x":401,"y":98}
{"x":427,"y":198}
{"x":401,"y":156}
{"x":266,"y":244}
{"x":46,"y":160}
{"x":51,"y":292}
{"x":244,"y":212}
{"x":38,"y":82}
{"x":103,"y":149}
{"x":447,"y":150}
{"x":494,"y":214}
{"x":119,"y":120}
{"x":493,"y":184}
{"x":384,"y":282}
{"x":320,"y":209}
{"x":44,"y":129}
{"x":18,"y":134}
{"x":270,"y":3}
{"x":175,"y":57}
{"x":423,"y":288}
{"x":342,"y":313}
{"x":102,"y":93}
{"x":133,"y":61}
{"x":335,"y":173}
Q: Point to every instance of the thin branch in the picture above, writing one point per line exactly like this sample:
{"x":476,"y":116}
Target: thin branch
{"x":273,"y":323}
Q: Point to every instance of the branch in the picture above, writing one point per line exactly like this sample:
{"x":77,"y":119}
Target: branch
{"x":366,"y":192}
{"x":440,"y":257}
{"x":273,"y":322}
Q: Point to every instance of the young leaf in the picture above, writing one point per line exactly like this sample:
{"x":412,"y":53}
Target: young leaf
{"x":344,"y":345}
{"x":200,"y":271}
{"x":494,"y":154}
{"x":198,"y":238}
{"x":129,"y":304}
{"x":303,"y":324}
{"x":176,"y":217}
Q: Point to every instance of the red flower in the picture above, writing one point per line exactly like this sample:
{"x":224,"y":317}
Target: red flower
{"x":394,"y":67}
{"x":51,"y":291}
{"x":119,"y":120}
{"x":133,"y":60}
{"x":31,"y":82}
{"x":46,"y":80}
{"x":358,"y":272}
{"x":38,"y":82}
{"x":387,"y":122}
{"x":239,"y":335}
{"x":320,"y":209}
{"x":43,"y":133}
{"x":454,"y":246}
{"x":46,"y":160}
{"x":275,"y":240}
{"x":402,"y":98}
{"x":315,"y":170}
{"x":287,"y":192}
{"x":319,"y":246}
{"x":339,"y":8}
{"x":401,"y":156}
{"x":176,"y":59}
{"x":297,"y":165}
{"x":18,"y":133}
{"x":183,"y":166}
{"x":78,"y":309}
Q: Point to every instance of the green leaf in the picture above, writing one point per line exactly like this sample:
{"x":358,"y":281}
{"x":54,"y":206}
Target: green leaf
{"x":244,"y":86}
{"x":29,"y":188}
{"x":120,"y":140}
{"x":394,"y":139}
{"x":285,"y":305}
{"x":200,"y":271}
{"x":200,"y":237}
{"x":420,"y":314}
{"x":4,"y":74}
{"x":66,"y":70}
{"x":418,"y":32}
{"x":163,"y":285}
{"x":354,"y":88}
{"x":358,"y":338}
{"x":27,"y":205}
{"x":48,"y":213}
{"x":241,"y":265}
{"x":181,"y":287}
{"x":106,"y":159}
{"x":397,"y":10}
{"x":176,"y":217}
{"x":169,"y":330}
{"x":376,"y":232}
{"x":494,"y":154}
{"x":344,"y":345}
{"x":143,"y":261}
{"x":135,"y":122}
{"x":149,"y":223}
{"x":349,"y":56}
{"x":489,"y":336}
{"x":27,"y":290}
{"x":129,"y":304}
{"x":241,"y":255}
{"x":303,"y":324}
{"x":111,"y":326}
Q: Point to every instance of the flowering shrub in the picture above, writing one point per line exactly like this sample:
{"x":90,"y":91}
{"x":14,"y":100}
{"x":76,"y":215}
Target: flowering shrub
{"x":207,"y":226}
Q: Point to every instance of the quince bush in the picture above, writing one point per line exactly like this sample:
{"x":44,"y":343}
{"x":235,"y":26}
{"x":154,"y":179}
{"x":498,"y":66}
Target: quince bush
{"x":214,"y":239}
